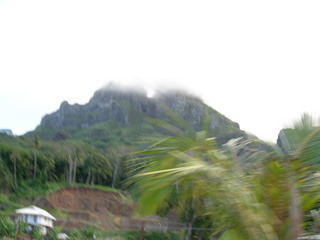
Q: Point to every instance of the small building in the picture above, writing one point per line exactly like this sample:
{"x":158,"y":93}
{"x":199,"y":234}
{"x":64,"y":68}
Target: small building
{"x":34,"y":216}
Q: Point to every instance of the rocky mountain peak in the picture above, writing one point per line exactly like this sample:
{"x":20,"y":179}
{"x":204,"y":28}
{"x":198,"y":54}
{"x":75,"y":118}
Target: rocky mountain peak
{"x":7,"y":131}
{"x":118,"y":90}
{"x":130,"y":108}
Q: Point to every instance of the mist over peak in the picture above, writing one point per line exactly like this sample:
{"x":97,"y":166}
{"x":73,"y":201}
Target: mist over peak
{"x":124,"y":88}
{"x":156,"y":91}
{"x":129,"y":107}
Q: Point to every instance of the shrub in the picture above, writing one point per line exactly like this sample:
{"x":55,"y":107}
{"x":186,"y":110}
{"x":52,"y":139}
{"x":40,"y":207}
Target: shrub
{"x":88,"y":233}
{"x":7,"y":227}
{"x":53,"y":234}
{"x":74,"y":234}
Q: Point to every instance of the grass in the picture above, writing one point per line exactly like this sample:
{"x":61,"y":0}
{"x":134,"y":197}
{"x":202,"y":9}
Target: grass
{"x":8,"y":207}
{"x":28,"y":191}
{"x":97,"y":187}
{"x":106,"y":189}
{"x":58,"y":213}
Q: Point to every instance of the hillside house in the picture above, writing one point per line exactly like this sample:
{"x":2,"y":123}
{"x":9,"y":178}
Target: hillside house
{"x":34,"y":216}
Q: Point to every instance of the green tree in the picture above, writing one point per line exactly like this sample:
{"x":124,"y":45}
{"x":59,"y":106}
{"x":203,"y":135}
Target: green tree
{"x":199,"y":181}
{"x":301,"y":160}
{"x":96,"y":166}
{"x":117,"y":156}
{"x":263,"y":200}
{"x":36,"y":144}
{"x":15,"y":157}
{"x":7,"y":227}
{"x":55,"y":156}
{"x":6,"y":181}
{"x":74,"y":156}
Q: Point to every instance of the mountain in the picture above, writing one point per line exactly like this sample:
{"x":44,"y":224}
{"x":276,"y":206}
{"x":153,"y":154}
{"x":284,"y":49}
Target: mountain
{"x":118,"y":115}
{"x":7,"y":131}
{"x":103,"y":134}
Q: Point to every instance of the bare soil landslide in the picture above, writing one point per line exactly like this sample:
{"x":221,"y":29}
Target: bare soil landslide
{"x":106,"y":210}
{"x":86,"y":206}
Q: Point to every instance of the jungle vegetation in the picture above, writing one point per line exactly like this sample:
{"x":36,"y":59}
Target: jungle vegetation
{"x":234,"y":191}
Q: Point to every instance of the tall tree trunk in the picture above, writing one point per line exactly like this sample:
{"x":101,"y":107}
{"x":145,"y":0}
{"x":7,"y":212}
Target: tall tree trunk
{"x":188,"y":231}
{"x":74,"y":171}
{"x":16,"y":237}
{"x":88,"y":178}
{"x":36,"y":144}
{"x":92,"y":179}
{"x":189,"y":226}
{"x":70,"y":169}
{"x":295,"y":214}
{"x":114,"y":175}
{"x":35,"y":164}
{"x":200,"y":235}
{"x":142,"y":230}
{"x":15,"y":170}
{"x":189,"y":223}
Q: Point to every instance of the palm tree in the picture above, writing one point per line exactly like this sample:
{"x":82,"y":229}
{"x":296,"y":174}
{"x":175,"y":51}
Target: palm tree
{"x":116,"y":156}
{"x":301,"y":148}
{"x":36,"y":143}
{"x":264,"y":202}
{"x":74,"y":156}
{"x":15,"y":157}
{"x":199,"y":181}
{"x":96,"y":166}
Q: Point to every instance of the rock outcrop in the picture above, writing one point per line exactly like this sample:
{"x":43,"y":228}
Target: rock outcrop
{"x":123,"y":108}
{"x":7,"y":131}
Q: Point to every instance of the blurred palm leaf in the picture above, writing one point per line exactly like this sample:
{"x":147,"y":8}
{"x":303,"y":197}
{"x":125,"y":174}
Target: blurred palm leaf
{"x":198,"y":180}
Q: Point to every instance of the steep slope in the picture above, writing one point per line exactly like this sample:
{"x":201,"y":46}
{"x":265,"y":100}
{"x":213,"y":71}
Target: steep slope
{"x":83,"y":206}
{"x":119,"y":116}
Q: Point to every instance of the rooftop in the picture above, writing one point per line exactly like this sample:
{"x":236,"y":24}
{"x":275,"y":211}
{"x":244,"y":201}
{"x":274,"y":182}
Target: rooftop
{"x":33,"y":210}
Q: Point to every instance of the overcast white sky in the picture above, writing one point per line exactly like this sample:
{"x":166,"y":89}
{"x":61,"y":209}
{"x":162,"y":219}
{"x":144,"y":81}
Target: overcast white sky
{"x":256,"y":62}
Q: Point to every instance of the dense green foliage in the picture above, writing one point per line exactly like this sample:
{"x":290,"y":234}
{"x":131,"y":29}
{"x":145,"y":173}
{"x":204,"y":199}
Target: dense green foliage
{"x":265,"y":199}
{"x":61,"y":161}
{"x":232,"y":187}
{"x":7,"y":227}
{"x":148,"y":235}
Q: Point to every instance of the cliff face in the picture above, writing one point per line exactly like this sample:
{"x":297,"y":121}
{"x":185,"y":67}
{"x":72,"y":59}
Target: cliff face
{"x":7,"y":131}
{"x":107,"y":104}
{"x":130,"y":109}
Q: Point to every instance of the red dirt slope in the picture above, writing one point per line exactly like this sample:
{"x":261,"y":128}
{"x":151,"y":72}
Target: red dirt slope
{"x":86,"y":206}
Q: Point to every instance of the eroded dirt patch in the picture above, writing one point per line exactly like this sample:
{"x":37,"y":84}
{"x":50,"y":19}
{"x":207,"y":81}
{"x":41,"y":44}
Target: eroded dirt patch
{"x":90,"y":206}
{"x":107,"y":210}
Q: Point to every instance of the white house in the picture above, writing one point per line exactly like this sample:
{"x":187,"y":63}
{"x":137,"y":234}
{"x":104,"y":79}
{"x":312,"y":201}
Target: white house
{"x":35,"y":216}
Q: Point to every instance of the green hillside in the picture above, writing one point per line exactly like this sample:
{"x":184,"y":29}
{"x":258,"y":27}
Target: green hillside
{"x":95,"y":144}
{"x":89,"y":143}
{"x":116,"y":116}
